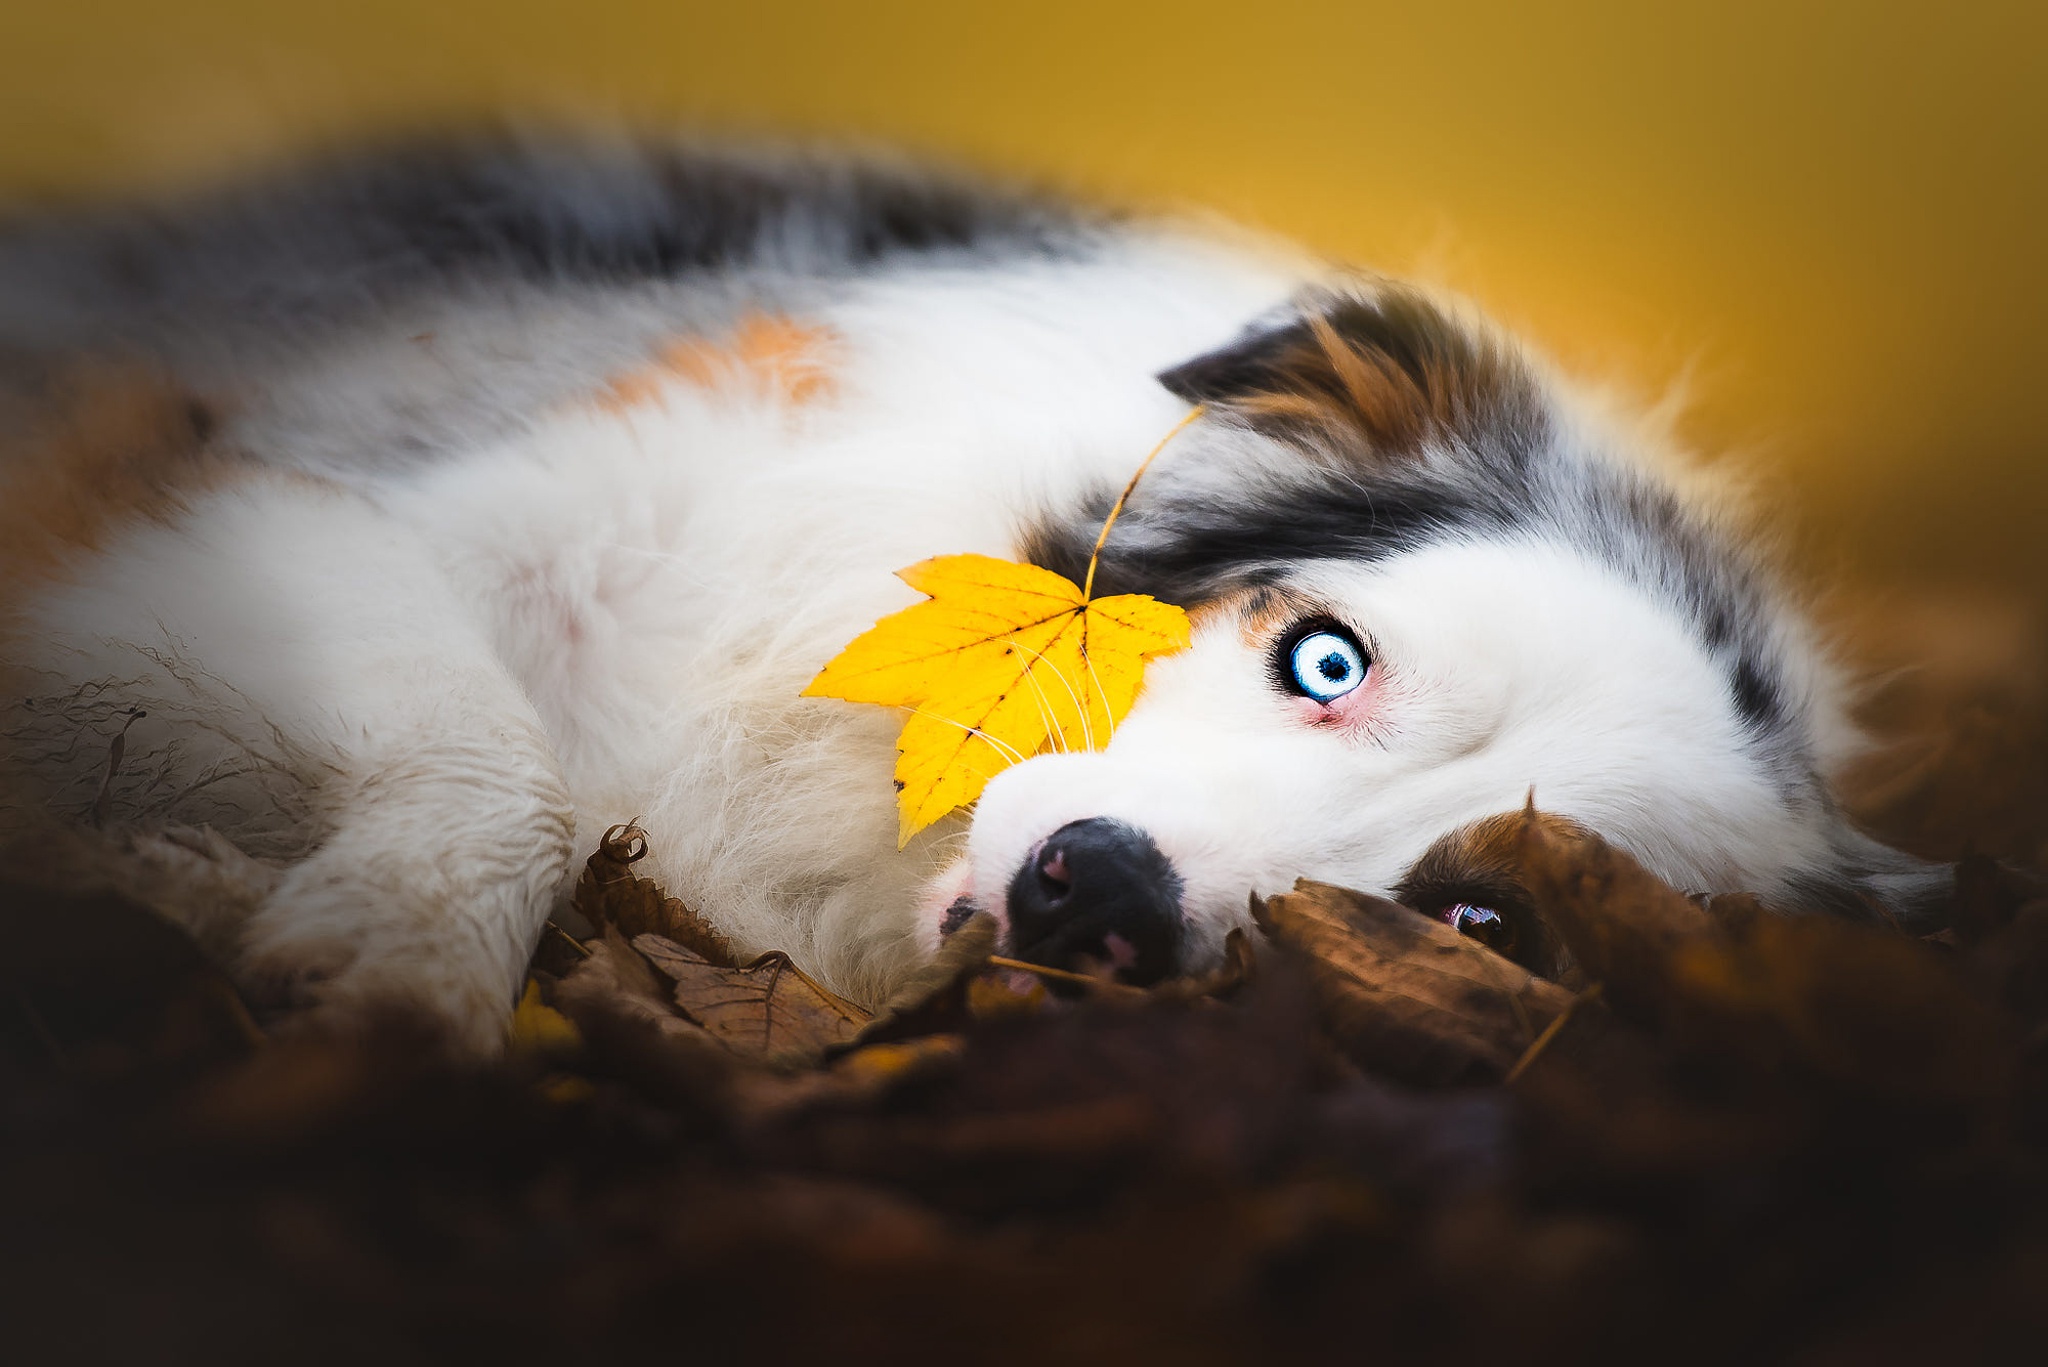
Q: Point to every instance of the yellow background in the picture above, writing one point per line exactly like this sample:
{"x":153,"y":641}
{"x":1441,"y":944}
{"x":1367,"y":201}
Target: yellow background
{"x":1826,"y":218}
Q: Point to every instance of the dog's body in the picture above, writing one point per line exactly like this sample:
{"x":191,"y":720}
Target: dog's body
{"x":547,"y":476}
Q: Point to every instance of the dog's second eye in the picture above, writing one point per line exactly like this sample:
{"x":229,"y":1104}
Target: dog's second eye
{"x":1324,"y":664}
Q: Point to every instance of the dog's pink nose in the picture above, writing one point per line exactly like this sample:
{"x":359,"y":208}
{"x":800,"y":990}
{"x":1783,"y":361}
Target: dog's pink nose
{"x":1052,"y":871}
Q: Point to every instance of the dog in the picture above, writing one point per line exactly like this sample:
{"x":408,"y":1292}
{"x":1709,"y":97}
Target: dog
{"x":518,"y":485}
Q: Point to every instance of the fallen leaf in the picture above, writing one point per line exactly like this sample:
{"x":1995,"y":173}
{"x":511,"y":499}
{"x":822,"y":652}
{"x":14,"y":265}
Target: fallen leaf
{"x":1239,"y":966}
{"x":769,"y":1010}
{"x":1407,"y":996}
{"x":1735,"y":912}
{"x":538,"y":1030}
{"x":1865,"y":1007}
{"x":559,"y":953}
{"x":1988,"y":894}
{"x":99,"y":984}
{"x":877,"y":1064}
{"x":993,"y":996}
{"x":626,"y":1016}
{"x":612,"y":897}
{"x":1622,"y":924}
{"x":935,"y":997}
{"x":1000,"y":662}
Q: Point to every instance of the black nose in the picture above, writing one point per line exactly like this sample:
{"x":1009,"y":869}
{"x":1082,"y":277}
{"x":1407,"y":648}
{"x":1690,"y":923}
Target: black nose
{"x":1100,"y":891}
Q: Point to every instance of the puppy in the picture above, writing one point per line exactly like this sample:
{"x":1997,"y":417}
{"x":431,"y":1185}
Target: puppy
{"x":534,"y":479}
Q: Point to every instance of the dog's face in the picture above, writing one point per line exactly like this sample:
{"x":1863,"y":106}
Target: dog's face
{"x":1335,"y":726}
{"x":1416,"y":601}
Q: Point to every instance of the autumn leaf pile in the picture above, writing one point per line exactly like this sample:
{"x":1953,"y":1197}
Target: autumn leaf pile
{"x":1720,"y":1135}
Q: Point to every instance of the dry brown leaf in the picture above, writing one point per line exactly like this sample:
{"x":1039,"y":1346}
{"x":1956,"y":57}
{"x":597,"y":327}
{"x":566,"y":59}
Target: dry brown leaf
{"x":1734,"y":912}
{"x":94,"y":983}
{"x":1407,"y":996}
{"x":611,"y":896}
{"x":1988,"y":893}
{"x":1239,"y":966}
{"x":1864,"y":1007}
{"x":615,"y":988}
{"x":1621,"y":923}
{"x":1868,"y":1008}
{"x":935,"y":997}
{"x":769,"y":1010}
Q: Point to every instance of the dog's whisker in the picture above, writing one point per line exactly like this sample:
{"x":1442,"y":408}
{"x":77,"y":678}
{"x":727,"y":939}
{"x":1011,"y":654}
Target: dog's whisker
{"x":1046,"y":716}
{"x":1108,"y":712}
{"x":1003,"y":747}
{"x":1080,"y":706}
{"x":1087,"y":736}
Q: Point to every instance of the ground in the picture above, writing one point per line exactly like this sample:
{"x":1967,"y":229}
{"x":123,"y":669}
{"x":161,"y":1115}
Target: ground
{"x":1720,"y":1134}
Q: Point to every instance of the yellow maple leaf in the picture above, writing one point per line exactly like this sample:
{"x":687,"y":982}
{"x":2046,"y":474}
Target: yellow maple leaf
{"x":1000,"y":662}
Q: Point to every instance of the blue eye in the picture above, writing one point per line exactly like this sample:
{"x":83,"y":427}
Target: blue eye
{"x":1324,"y":664}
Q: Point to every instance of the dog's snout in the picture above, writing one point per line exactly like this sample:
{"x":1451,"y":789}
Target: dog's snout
{"x":1098,"y":891}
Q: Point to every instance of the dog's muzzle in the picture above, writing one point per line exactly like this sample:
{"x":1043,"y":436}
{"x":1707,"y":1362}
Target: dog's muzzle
{"x":1098,"y":893}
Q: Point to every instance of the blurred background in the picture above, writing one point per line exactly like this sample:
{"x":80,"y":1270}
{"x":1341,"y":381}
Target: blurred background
{"x":1824,"y":221}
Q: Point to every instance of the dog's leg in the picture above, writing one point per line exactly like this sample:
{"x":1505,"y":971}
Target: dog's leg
{"x":448,"y":833}
{"x":314,"y":631}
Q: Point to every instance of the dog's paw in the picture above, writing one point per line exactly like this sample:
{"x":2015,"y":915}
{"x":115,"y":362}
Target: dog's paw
{"x":334,"y":953}
{"x":195,"y":877}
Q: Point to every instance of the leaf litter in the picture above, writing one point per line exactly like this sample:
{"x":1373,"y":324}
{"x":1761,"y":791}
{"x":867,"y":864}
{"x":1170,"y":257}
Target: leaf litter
{"x":1693,"y":1129}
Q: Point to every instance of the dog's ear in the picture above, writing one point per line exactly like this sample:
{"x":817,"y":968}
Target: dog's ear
{"x":1390,"y":369}
{"x":1255,"y":363}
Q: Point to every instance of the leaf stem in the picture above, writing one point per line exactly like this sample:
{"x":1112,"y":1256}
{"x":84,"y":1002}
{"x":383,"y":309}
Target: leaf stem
{"x":1088,"y":584}
{"x":1550,"y":1032}
{"x":1106,"y":986}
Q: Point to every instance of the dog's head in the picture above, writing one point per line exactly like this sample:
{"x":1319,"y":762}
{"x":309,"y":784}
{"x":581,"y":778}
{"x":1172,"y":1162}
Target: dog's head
{"x":1422,"y":584}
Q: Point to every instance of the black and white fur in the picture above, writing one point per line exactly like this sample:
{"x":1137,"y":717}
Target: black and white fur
{"x":447,"y":620}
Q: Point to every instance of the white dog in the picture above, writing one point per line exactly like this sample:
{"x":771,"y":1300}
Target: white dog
{"x":537,"y":479}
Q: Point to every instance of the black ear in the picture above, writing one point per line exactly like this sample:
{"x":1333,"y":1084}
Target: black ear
{"x":1387,"y":371}
{"x":1252,"y":364}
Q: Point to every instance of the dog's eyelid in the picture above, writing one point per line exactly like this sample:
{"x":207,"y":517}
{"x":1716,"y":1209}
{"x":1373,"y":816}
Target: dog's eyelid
{"x":1310,"y":620}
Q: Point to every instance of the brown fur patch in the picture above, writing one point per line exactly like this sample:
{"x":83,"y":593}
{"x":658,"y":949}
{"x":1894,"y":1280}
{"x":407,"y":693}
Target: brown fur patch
{"x":775,"y":356}
{"x":1264,"y":612}
{"x":111,"y":448}
{"x":1481,"y":865}
{"x":1390,"y":370}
